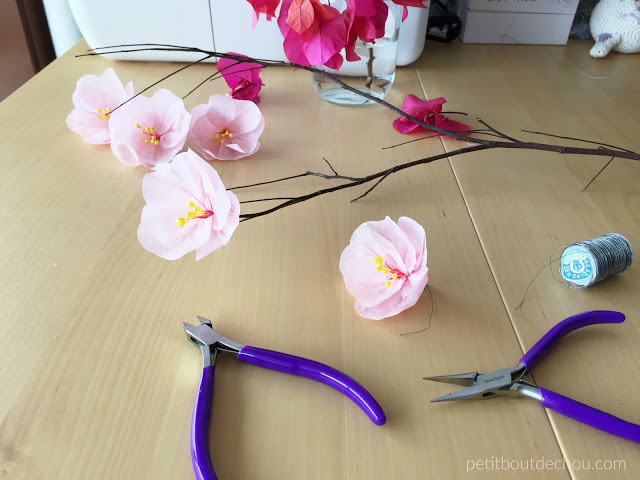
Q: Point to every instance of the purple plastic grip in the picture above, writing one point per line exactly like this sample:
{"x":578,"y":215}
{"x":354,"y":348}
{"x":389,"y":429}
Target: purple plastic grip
{"x":590,"y":416}
{"x":200,"y":456}
{"x":317,"y":371}
{"x":553,"y":336}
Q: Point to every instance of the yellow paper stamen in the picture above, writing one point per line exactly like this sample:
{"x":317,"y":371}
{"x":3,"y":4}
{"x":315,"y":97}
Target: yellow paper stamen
{"x":151,"y":131}
{"x":104,"y":113}
{"x":382,"y":267}
{"x":221,"y":136}
{"x":197,"y":212}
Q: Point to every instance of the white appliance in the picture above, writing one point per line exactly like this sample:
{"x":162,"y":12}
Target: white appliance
{"x":516,"y":21}
{"x":219,"y":25}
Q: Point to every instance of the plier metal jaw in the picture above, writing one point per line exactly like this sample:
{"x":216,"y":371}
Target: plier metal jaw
{"x":212,"y":343}
{"x":509,"y":381}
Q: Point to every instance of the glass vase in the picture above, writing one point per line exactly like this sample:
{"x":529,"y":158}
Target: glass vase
{"x":373,"y":73}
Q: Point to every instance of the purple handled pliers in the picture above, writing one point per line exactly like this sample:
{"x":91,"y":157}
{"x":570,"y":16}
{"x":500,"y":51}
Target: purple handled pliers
{"x":212,"y":343}
{"x":508,"y":381}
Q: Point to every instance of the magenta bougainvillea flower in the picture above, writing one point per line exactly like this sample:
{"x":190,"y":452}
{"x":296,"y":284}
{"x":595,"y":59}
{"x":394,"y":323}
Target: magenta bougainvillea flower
{"x":313,"y":33}
{"x":385,"y":267}
{"x":187,"y":209}
{"x":268,"y":7}
{"x":226,"y":129}
{"x":370,"y":18}
{"x":409,"y":3}
{"x":243,"y":78}
{"x":94,"y":99}
{"x":149,"y":131}
{"x":427,"y":111}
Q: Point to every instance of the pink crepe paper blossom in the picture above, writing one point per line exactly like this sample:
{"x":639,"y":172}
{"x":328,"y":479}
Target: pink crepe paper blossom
{"x":94,"y":99}
{"x":427,"y":111}
{"x":187,"y":209}
{"x":243,"y":78}
{"x":149,"y":131}
{"x":225,"y":128}
{"x":385,"y":266}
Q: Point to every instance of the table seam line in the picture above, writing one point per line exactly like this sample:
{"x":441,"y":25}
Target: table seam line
{"x":493,"y":273}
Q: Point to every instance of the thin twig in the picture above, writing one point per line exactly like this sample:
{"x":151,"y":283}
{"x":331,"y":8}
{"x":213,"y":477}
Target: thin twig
{"x":481,"y":131}
{"x":161,"y":80}
{"x":355,"y":181}
{"x":597,"y":174}
{"x":370,"y":68}
{"x":500,"y":134}
{"x":374,"y":186}
{"x":267,"y":199}
{"x":579,"y":140}
{"x":330,"y":166}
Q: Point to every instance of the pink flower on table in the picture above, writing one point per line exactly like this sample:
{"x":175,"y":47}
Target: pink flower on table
{"x":149,"y":131}
{"x":243,"y":78}
{"x":385,"y":267}
{"x":427,"y":111}
{"x":94,"y":99}
{"x":225,"y":128}
{"x":187,"y":209}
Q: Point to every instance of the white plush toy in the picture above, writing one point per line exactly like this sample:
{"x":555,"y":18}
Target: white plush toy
{"x":615,"y":25}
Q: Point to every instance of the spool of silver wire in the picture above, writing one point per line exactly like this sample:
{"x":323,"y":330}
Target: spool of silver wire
{"x":584,"y":263}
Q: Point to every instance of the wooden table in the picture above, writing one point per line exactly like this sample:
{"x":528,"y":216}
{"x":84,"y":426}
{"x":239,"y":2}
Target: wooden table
{"x":97,"y":379}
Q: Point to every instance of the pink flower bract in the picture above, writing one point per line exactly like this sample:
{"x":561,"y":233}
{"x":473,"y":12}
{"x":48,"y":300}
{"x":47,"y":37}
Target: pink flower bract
{"x":243,"y":78}
{"x":427,"y":111}
{"x":268,"y":7}
{"x":313,"y":33}
{"x":187,"y":209}
{"x":409,"y":3}
{"x":94,"y":99}
{"x":149,"y":131}
{"x":385,"y":266}
{"x":226,"y":129}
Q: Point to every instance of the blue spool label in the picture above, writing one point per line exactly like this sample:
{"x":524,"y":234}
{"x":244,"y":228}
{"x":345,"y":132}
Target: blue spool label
{"x":578,"y":266}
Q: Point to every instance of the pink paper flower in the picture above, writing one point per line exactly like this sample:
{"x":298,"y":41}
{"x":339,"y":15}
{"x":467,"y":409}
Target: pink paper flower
{"x":187,"y":209}
{"x":243,"y":78}
{"x":225,"y":128}
{"x":385,"y":267}
{"x":313,"y":33}
{"x":427,"y":111}
{"x":268,"y":7}
{"x":409,"y":3}
{"x":370,"y":18}
{"x":94,"y":98}
{"x":149,"y":131}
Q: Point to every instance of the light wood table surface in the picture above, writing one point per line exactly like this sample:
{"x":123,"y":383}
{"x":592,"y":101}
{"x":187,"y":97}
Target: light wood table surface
{"x":97,"y":379}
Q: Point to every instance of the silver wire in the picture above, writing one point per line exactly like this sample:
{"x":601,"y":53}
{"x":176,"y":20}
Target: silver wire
{"x":612,"y":253}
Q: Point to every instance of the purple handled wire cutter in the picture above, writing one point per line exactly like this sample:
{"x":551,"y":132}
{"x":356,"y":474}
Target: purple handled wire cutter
{"x":508,"y":381}
{"x":211,"y":344}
